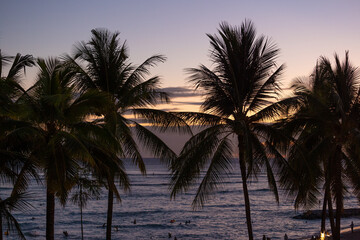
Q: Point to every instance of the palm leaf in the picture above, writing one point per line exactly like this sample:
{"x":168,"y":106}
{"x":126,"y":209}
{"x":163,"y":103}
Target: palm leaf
{"x":220,"y":166}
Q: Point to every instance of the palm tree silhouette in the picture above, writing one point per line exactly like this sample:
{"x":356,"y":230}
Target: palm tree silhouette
{"x":238,"y":101}
{"x":87,"y":189}
{"x":325,"y":152}
{"x":102,"y":64}
{"x":15,"y":166}
{"x":57,"y":123}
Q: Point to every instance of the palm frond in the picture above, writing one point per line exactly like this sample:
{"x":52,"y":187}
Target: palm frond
{"x":198,"y":118}
{"x":267,"y":91}
{"x":143,"y":94}
{"x":220,"y":166}
{"x":193,"y":157}
{"x":139,"y":73}
{"x":20,"y":63}
{"x":161,"y":120}
{"x":154,"y":144}
{"x":130,"y":147}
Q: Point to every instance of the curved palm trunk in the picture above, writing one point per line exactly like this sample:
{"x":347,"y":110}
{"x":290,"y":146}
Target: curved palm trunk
{"x":50,"y":214}
{"x":329,"y":195}
{"x":331,"y":214}
{"x":81,"y":216}
{"x":339,"y":205}
{"x":109,"y":214}
{"x":1,"y":230}
{"x":338,"y":194}
{"x":323,"y":215}
{"x":245,"y":189}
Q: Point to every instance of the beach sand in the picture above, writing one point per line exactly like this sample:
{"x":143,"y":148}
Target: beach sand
{"x":346,"y":234}
{"x":351,"y":236}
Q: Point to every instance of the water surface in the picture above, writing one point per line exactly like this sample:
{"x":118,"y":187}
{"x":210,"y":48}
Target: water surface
{"x":223,"y":217}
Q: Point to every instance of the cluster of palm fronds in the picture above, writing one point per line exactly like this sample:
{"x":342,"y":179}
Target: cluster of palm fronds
{"x":72,"y":124}
{"x":75,"y":116}
{"x":308,"y":142}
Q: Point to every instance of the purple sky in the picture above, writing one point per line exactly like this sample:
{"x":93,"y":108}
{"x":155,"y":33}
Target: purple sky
{"x":303,"y":30}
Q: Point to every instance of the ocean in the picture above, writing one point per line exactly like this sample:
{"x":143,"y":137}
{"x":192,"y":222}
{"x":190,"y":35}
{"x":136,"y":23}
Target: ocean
{"x":222,"y":217}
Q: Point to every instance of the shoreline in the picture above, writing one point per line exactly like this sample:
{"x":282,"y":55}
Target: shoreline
{"x":345,"y":234}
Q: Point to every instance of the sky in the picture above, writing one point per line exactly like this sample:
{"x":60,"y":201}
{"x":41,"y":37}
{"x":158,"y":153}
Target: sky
{"x":303,"y":30}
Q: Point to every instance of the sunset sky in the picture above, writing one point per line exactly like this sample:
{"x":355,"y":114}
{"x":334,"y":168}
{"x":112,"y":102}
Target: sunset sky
{"x":303,"y":30}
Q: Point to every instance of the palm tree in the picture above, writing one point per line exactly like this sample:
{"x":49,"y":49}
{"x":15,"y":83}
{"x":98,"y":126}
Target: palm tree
{"x":326,"y":149}
{"x":102,"y":64}
{"x":16,"y":201}
{"x":14,"y":164}
{"x":10,"y":84}
{"x":87,"y":189}
{"x":57,"y":118}
{"x":238,"y":101}
{"x":304,"y":176}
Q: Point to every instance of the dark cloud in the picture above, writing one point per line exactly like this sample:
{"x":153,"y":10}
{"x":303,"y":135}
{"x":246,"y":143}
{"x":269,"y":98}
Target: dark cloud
{"x":181,"y":92}
{"x":138,"y":120}
{"x":169,"y":109}
{"x":186,"y":103}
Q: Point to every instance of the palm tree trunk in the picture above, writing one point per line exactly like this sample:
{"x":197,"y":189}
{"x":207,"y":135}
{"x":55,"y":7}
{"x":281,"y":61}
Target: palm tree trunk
{"x":81,"y":218}
{"x":338,"y":214}
{"x":336,"y":235}
{"x":323,"y":216}
{"x":338,"y":196}
{"x":245,"y":190}
{"x":331,"y":214}
{"x":1,"y":229}
{"x":50,"y":214}
{"x":109,"y":214}
{"x":329,"y":195}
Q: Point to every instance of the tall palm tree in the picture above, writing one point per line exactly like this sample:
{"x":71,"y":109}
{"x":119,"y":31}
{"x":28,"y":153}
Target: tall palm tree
{"x":14,"y":164}
{"x":102,"y":64}
{"x":304,"y":176}
{"x":326,"y":149}
{"x":58,"y":123}
{"x":238,"y":93}
{"x":87,"y":189}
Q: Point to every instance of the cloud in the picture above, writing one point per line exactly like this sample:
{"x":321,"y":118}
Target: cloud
{"x":138,"y":120}
{"x":169,"y":109}
{"x":181,"y":92}
{"x":186,"y":103}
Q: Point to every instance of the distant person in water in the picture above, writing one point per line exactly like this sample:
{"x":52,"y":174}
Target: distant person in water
{"x":169,"y":235}
{"x":352,"y":226}
{"x":65,"y":233}
{"x":264,"y":237}
{"x":286,"y":237}
{"x":134,"y":222}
